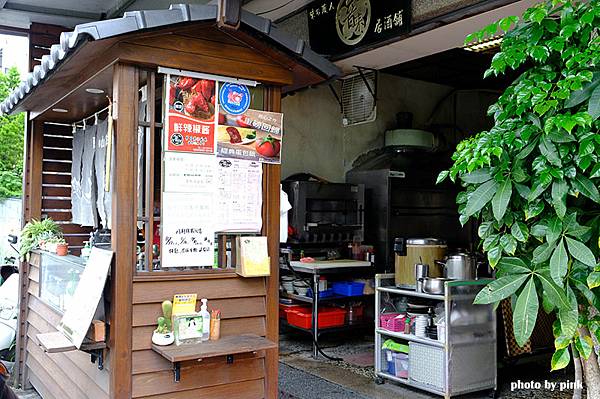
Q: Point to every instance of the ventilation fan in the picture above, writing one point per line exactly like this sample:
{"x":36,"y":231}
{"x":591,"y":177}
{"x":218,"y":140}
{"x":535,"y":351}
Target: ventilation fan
{"x":358,"y":98}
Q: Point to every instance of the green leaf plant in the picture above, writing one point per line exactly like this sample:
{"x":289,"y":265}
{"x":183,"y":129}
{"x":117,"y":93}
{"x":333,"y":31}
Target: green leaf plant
{"x":532,"y":180}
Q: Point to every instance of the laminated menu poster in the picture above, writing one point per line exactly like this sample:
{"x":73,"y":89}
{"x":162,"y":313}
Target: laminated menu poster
{"x":253,"y":135}
{"x":186,"y":172}
{"x":190,"y":114}
{"x":188,"y":232}
{"x":239,"y":195}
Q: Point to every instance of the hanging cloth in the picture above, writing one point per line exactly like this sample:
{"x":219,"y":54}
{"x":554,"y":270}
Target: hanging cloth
{"x":109,"y":163}
{"x":88,"y":214}
{"x":100,"y":170}
{"x":78,"y":138}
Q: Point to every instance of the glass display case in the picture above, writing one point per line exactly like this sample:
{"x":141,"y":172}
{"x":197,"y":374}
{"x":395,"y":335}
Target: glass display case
{"x":59,"y":276}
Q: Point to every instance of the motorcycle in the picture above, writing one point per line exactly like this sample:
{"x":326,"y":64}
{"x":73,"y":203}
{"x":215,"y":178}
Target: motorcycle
{"x":9,"y":310}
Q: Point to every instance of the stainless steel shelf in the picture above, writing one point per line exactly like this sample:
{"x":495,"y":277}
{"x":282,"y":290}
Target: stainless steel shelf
{"x":410,"y":383}
{"x":400,"y":291}
{"x":410,"y":337}
{"x":333,"y":298}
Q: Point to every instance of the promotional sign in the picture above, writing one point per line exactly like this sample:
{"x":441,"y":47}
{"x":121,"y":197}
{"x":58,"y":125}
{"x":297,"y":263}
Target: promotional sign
{"x":239,"y":210}
{"x":190,"y":114}
{"x":338,"y":27}
{"x":188,"y":232}
{"x":187,"y":173}
{"x":254,"y":135}
{"x":234,"y":98}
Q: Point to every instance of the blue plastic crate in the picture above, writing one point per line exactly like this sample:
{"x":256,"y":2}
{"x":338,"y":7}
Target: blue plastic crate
{"x":322,"y":294}
{"x":348,"y":288}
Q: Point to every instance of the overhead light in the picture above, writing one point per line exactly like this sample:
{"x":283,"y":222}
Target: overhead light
{"x":485,"y":45}
{"x":94,"y":91}
{"x":60,"y":110}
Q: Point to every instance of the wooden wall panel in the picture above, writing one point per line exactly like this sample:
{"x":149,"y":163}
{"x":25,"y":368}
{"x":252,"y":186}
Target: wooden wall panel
{"x":239,"y":390}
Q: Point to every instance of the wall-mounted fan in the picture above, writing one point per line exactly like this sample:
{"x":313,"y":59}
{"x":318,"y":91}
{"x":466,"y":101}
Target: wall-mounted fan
{"x":359,"y":97}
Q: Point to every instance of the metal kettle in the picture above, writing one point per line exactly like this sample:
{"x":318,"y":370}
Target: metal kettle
{"x":460,"y":266}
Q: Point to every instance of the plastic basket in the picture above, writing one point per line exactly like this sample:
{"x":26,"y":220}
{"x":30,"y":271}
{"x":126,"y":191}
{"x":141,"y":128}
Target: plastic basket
{"x":348,"y":288}
{"x":391,"y":322}
{"x":328,"y":317}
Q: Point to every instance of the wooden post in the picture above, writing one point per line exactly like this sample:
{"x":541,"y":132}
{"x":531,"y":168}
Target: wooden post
{"x":271,"y":182}
{"x":124,"y":233}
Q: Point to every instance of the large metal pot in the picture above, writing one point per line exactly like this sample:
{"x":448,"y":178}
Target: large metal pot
{"x":460,"y":266}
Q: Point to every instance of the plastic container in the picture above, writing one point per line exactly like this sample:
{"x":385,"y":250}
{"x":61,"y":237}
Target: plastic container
{"x":328,"y":317}
{"x":348,"y":288}
{"x":400,"y":364}
{"x":294,"y":306}
{"x":322,"y":294}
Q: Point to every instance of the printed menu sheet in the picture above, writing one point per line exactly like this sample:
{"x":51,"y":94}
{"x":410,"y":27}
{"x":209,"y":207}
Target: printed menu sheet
{"x":239,"y":195}
{"x":189,"y":172}
{"x":188,"y":232}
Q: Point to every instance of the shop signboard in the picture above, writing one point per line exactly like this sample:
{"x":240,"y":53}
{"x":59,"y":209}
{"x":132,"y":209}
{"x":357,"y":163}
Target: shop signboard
{"x":339,"y":27}
{"x":248,"y":133}
{"x":190,"y":114}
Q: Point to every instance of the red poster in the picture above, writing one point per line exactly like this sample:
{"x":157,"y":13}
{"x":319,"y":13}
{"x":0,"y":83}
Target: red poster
{"x":190,"y":115}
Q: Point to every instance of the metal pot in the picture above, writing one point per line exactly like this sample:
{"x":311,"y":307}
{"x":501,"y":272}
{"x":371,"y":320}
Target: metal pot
{"x":417,"y":250}
{"x":460,"y":266}
{"x":434,"y":285}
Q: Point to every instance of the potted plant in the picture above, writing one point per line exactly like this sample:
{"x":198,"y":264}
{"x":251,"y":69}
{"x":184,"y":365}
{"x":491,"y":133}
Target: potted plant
{"x":532,"y":179}
{"x":61,"y":247}
{"x":163,"y":335}
{"x":36,"y":233}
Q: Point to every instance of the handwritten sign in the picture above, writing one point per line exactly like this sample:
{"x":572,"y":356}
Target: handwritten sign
{"x":188,"y":172}
{"x":188,"y":231}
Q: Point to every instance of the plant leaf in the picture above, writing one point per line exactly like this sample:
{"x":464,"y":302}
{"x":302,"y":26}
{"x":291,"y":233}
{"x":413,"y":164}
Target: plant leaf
{"x":500,"y":289}
{"x":520,"y":231}
{"x":584,"y":346}
{"x":593,"y":280}
{"x":480,"y":197}
{"x":501,"y":199}
{"x":485,"y":229}
{"x":477,"y":176}
{"x":508,"y":244}
{"x":548,"y":149}
{"x":586,"y":187}
{"x":525,"y":313}
{"x":559,"y":263}
{"x":442,"y":176}
{"x":560,"y":189}
{"x":581,"y":252}
{"x":594,"y":104}
{"x":555,"y":293}
{"x":569,"y":316}
{"x":542,"y":253}
{"x":560,"y":359}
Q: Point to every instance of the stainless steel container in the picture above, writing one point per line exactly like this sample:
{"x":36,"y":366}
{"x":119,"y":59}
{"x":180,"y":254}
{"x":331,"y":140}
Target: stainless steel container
{"x":411,"y":251}
{"x":460,"y":266}
{"x":421,"y":271}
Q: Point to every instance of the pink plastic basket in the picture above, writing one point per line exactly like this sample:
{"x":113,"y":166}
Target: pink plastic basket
{"x":391,"y":322}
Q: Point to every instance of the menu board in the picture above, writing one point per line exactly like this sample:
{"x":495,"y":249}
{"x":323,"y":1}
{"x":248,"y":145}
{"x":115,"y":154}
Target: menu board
{"x":188,"y":172}
{"x":190,"y":114}
{"x":188,"y":232}
{"x":82,"y":307}
{"x":239,"y":195}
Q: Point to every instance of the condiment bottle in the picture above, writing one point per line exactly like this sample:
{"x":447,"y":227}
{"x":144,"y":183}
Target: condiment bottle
{"x":205,"y":320}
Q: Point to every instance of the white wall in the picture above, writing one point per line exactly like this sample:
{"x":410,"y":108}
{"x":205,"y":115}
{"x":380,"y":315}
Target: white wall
{"x":315,"y":140}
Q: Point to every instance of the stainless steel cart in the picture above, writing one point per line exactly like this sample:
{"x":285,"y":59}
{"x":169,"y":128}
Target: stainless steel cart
{"x":463,"y":361}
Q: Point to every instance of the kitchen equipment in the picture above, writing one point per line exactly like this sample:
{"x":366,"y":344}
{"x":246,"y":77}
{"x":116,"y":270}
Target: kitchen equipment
{"x":417,"y":250}
{"x":421,"y":271}
{"x":434,"y":285}
{"x":402,"y":200}
{"x":459,"y":266}
{"x":300,"y":287}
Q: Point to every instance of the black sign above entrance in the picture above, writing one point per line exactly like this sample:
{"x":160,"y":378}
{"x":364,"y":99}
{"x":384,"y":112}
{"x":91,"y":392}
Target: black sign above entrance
{"x":337,"y":27}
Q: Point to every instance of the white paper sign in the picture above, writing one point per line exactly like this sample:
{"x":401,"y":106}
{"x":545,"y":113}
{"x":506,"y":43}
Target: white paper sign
{"x":188,"y":232}
{"x":189,"y":172}
{"x":239,"y":195}
{"x":80,"y":313}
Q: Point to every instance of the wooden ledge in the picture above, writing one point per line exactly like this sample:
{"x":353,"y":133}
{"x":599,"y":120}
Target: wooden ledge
{"x":226,"y":346}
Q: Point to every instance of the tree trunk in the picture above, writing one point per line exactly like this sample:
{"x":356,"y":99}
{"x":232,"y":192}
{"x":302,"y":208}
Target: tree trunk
{"x":591,"y":370}
{"x":578,"y":390}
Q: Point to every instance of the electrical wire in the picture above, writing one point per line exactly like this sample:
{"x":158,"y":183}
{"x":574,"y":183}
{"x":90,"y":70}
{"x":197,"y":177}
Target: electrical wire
{"x":276,"y":8}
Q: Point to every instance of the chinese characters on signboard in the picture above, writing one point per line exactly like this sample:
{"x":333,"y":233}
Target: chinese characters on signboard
{"x":190,"y":114}
{"x":337,"y":27}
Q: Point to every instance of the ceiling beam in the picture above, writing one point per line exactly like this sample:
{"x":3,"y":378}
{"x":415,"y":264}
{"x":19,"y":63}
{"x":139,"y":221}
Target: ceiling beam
{"x":51,"y":11}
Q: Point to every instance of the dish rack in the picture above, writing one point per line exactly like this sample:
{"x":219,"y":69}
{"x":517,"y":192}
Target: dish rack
{"x":461,"y":361}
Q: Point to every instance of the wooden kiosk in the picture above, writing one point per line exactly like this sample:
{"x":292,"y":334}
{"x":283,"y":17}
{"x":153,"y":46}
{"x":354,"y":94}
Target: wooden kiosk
{"x":116,"y":58}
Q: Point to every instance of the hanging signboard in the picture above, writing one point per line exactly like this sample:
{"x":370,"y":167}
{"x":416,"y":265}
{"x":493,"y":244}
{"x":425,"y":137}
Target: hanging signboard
{"x":339,"y":27}
{"x":252,"y":135}
{"x":190,"y":114}
{"x":188,"y":233}
{"x":239,"y":210}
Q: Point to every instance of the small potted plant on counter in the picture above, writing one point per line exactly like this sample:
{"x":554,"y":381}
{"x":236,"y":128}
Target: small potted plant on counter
{"x":163,"y":335}
{"x":36,"y":234}
{"x":61,"y":247}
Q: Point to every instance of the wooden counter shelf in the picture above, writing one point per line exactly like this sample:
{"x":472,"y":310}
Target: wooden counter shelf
{"x":226,"y":346}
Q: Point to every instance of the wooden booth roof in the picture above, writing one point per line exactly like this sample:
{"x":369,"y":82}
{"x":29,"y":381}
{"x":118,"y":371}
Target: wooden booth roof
{"x":56,"y":77}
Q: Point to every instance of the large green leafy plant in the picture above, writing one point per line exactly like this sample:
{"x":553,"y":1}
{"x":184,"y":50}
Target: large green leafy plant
{"x":532,"y":179}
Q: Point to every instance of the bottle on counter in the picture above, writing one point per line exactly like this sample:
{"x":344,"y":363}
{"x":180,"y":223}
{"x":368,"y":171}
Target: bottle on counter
{"x":205,"y":320}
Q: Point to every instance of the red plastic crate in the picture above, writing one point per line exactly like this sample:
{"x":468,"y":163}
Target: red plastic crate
{"x":328,"y":317}
{"x":283,"y":308}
